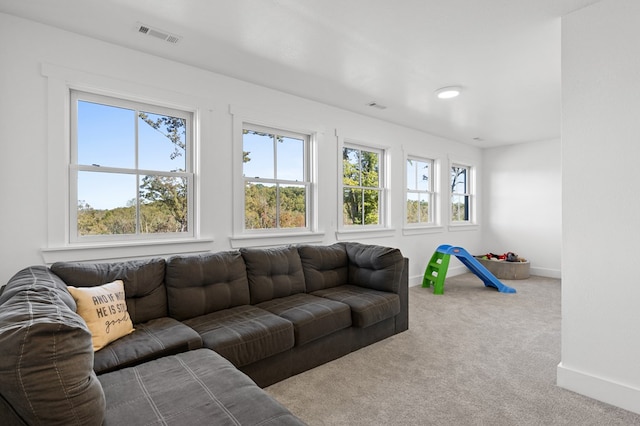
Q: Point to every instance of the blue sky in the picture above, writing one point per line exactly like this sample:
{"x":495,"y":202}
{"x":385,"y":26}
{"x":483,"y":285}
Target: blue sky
{"x":290,"y":153}
{"x":415,"y":172}
{"x":106,"y":137}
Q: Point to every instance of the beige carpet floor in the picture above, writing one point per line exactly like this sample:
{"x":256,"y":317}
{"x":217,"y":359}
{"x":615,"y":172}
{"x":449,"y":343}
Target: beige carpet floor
{"x":472,"y":356}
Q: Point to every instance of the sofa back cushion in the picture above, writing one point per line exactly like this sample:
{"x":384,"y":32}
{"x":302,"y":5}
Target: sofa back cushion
{"x":273,"y":272}
{"x":46,"y":362}
{"x":201,"y":284}
{"x":324,"y":266}
{"x":375,"y":267}
{"x":144,"y":288}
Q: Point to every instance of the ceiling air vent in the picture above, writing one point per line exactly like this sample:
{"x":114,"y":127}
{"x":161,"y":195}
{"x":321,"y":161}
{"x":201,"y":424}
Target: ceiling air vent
{"x":374,"y":104}
{"x":157,"y":33}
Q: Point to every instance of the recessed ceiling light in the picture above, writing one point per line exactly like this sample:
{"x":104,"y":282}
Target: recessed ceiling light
{"x":448,"y":92}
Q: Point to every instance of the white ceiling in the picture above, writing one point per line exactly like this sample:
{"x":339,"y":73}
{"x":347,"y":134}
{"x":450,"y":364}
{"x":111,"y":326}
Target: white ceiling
{"x":505,"y":54}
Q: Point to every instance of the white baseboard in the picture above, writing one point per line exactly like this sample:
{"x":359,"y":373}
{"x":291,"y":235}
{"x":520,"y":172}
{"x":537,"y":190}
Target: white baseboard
{"x":454,"y":270}
{"x":545,"y":272}
{"x":415,"y":281}
{"x":604,"y":390}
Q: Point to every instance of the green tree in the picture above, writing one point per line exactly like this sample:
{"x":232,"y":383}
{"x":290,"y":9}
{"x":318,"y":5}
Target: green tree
{"x":360,"y":176}
{"x":167,"y":194}
{"x":169,"y":197}
{"x":90,"y":220}
{"x":260,"y":206}
{"x":293,"y":204}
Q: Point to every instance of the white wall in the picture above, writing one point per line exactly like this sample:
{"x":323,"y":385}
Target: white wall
{"x":600,"y":153}
{"x":522,"y":201}
{"x":27,"y":223}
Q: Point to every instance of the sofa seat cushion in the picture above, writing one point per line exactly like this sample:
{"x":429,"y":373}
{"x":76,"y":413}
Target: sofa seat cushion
{"x":152,"y":339}
{"x":191,"y":388}
{"x":312,"y":317}
{"x":244,"y":334}
{"x":368,"y":306}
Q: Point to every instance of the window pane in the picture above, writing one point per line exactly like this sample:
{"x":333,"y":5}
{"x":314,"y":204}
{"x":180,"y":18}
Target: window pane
{"x":351,"y":167}
{"x":412,"y":167}
{"x":370,"y":167}
{"x":163,"y":204}
{"x":371,"y":207}
{"x":293,"y":212}
{"x":290,"y":159}
{"x":106,"y":135}
{"x":258,"y":155}
{"x":352,"y":207}
{"x":418,"y":208}
{"x":460,"y":207}
{"x":423,"y":176}
{"x":106,"y":203}
{"x":459,"y":180}
{"x":161,"y":142}
{"x":413,"y":208}
{"x":259,"y":206}
{"x":455,"y":207}
{"x":425,"y":217}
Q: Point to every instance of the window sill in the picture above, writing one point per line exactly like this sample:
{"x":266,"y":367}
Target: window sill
{"x":348,"y":234}
{"x":418,"y":230}
{"x":464,"y":227}
{"x":113,"y":251}
{"x":262,"y":240}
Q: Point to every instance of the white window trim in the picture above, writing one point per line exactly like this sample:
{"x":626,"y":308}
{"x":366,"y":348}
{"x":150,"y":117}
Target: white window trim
{"x":435,"y":225}
{"x":60,"y":82}
{"x":470,"y":224}
{"x":262,"y":238}
{"x":383,"y":229}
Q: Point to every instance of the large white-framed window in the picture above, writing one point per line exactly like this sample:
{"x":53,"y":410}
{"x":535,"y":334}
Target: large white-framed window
{"x":275,"y":179}
{"x":363,"y":189}
{"x":420,"y":194}
{"x":131,"y":170}
{"x":61,"y":202}
{"x":462,"y":203}
{"x":276,"y":170}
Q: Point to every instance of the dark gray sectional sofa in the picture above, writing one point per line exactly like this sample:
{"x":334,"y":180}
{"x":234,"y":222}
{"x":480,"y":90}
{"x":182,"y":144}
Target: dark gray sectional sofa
{"x":210,"y":330}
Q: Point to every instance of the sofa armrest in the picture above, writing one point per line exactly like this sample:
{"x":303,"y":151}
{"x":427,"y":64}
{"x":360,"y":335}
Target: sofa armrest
{"x":375,"y":267}
{"x":46,"y":355}
{"x":402,"y":319}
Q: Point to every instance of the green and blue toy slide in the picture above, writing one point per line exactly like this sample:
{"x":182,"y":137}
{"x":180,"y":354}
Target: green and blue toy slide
{"x":436,"y":271}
